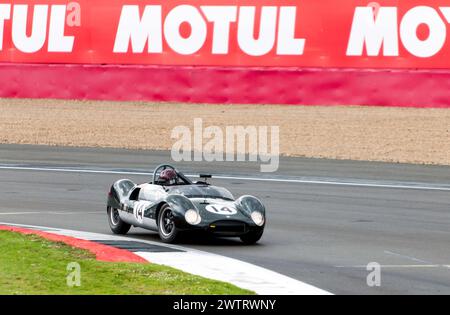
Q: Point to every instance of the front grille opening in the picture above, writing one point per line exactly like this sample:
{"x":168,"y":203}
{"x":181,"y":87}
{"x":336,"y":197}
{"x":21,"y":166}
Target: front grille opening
{"x":228,"y":227}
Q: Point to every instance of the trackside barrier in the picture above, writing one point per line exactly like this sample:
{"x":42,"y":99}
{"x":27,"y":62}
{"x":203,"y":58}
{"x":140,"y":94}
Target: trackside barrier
{"x":227,"y":85}
{"x":220,"y":51}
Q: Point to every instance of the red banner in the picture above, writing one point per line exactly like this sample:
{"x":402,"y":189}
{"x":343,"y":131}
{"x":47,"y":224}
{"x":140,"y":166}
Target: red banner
{"x":284,"y":33}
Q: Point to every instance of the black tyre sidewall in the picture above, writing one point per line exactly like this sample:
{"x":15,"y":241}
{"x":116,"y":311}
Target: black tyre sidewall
{"x":121,"y":227}
{"x":174,"y":235}
{"x":252,"y":237}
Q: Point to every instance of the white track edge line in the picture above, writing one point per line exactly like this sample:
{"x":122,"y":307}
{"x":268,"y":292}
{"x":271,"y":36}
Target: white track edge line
{"x":294,"y":181}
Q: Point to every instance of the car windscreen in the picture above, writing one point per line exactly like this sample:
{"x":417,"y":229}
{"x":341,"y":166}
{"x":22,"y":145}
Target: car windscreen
{"x":202,"y":191}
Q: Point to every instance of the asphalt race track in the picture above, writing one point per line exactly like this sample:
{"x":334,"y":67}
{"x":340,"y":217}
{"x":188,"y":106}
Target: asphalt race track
{"x":326,"y":219}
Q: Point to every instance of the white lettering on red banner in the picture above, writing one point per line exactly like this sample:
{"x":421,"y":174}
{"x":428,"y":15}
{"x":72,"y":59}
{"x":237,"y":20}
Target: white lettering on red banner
{"x":284,"y":33}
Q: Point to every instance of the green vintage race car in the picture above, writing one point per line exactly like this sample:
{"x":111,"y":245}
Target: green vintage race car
{"x":173,"y":205}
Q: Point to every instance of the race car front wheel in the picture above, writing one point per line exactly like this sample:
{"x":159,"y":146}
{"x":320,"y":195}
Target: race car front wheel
{"x":115,"y":222}
{"x":251,"y":237}
{"x":167,"y":230}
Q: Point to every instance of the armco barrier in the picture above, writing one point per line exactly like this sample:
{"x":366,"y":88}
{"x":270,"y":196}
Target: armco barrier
{"x":418,"y":88}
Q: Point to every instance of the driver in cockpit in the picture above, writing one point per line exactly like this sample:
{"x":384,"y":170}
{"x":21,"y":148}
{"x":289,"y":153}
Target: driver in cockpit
{"x":168,"y":177}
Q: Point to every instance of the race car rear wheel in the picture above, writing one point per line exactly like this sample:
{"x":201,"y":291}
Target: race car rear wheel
{"x":251,"y":237}
{"x":167,"y":230}
{"x":115,"y":222}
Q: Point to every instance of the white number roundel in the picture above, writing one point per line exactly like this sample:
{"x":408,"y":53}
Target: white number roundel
{"x":221,"y":209}
{"x":139,"y":209}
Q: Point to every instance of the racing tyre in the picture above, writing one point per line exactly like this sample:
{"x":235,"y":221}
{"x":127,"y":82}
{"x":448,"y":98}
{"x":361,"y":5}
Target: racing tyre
{"x":167,"y":230}
{"x":115,"y":222}
{"x":251,"y":237}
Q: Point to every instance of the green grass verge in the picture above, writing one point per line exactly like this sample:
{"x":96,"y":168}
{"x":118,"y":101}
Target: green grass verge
{"x":32,"y":265}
